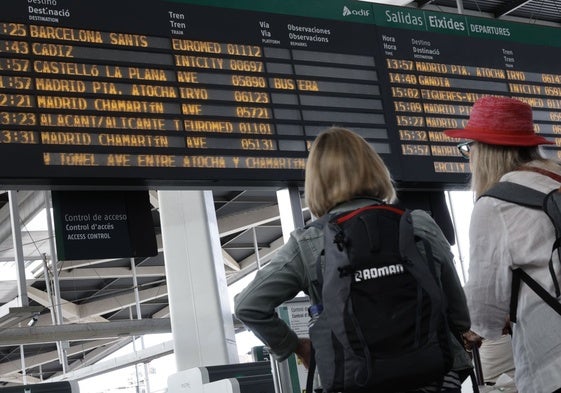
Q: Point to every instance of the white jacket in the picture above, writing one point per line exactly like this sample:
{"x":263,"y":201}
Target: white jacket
{"x":504,"y":236}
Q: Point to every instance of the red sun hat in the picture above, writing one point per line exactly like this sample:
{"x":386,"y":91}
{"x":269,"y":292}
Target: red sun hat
{"x":500,"y":121}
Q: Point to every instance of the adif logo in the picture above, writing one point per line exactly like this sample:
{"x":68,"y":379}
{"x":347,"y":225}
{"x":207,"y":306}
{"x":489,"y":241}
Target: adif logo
{"x":362,"y":12}
{"x":378,"y":272}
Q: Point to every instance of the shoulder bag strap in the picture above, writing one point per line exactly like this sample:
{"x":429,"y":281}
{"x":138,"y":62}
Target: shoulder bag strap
{"x":556,"y":244}
{"x":519,"y":275}
{"x":542,"y":171}
{"x":516,"y":193}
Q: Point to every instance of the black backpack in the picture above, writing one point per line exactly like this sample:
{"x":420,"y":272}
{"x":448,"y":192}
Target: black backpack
{"x":550,"y":203}
{"x":383,"y":326}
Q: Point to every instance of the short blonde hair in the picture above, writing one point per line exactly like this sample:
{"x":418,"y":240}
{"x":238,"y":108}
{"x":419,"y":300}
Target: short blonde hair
{"x":490,"y":162}
{"x":342,"y":165}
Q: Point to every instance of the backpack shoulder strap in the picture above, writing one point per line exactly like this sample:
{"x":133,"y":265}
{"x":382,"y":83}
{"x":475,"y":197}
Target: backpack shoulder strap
{"x":528,"y":197}
{"x":519,"y":275}
{"x":319,"y":223}
{"x":516,"y":193}
{"x":421,"y":268}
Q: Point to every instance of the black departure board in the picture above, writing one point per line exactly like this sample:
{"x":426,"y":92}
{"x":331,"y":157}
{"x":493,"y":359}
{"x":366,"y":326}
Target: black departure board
{"x":210,"y":93}
{"x":439,"y":64}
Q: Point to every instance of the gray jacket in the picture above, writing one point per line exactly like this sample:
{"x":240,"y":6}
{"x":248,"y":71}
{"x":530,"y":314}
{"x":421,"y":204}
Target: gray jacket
{"x":293,"y":270}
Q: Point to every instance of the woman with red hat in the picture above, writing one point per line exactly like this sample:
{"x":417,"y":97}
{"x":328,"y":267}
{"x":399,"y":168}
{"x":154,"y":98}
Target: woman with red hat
{"x":502,"y":146}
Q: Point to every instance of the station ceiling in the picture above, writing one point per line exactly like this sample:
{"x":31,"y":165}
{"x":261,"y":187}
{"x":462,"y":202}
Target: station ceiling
{"x":527,"y":11}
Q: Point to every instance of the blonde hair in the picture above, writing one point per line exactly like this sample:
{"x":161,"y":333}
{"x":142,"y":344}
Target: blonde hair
{"x":342,"y":165}
{"x":490,"y":162}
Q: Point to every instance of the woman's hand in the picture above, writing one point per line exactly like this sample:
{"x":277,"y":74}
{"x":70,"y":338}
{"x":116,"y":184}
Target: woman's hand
{"x":304,"y":351}
{"x":471,"y":339}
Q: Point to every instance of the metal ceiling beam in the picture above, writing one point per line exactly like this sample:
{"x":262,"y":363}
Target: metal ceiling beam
{"x":265,"y":253}
{"x":32,"y":241}
{"x":69,"y":265}
{"x":163,"y":313}
{"x":70,"y":312}
{"x":15,"y":315}
{"x":14,"y":366}
{"x":233,"y":245}
{"x":103,"y":289}
{"x":230,"y":262}
{"x":509,"y":6}
{"x":83,"y":331}
{"x":92,"y":311}
{"x":18,"y":379}
{"x":111,"y":272}
{"x":99,"y":354}
{"x":141,"y":356}
{"x":244,"y":221}
{"x":422,"y":3}
{"x":116,"y":303}
{"x":249,"y":264}
{"x":29,"y":202}
{"x":229,"y":201}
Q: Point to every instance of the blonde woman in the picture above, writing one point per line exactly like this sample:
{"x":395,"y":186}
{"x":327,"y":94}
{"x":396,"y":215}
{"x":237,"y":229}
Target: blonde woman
{"x":502,"y":146}
{"x":343,"y":173}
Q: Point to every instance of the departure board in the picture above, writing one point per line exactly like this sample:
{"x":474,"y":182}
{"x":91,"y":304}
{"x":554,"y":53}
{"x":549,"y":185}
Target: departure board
{"x":439,"y":64}
{"x":212,"y":93}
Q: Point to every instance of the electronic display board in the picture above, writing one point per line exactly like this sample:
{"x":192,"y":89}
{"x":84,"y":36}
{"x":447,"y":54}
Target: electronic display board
{"x":209,"y":93}
{"x":439,"y":64}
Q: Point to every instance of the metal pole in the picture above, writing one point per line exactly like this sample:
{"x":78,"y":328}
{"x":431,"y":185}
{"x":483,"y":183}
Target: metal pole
{"x":139,"y":316}
{"x":458,"y":245}
{"x":135,"y":287}
{"x":23,"y":371}
{"x":53,"y":312}
{"x":134,"y":350}
{"x":256,"y":249}
{"x":460,"y":5}
{"x":20,"y":265}
{"x":54,"y":260}
{"x":48,"y":285}
{"x":276,"y":375}
{"x":56,"y":284}
{"x":18,"y":248}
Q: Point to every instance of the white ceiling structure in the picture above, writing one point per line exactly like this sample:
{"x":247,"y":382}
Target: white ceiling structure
{"x":97,"y":297}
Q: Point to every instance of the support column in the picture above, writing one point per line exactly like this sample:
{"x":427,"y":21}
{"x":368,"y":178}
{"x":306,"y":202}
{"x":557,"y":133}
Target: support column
{"x":290,"y":209}
{"x":201,"y":318}
{"x":23,"y":299}
{"x":18,"y":248}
